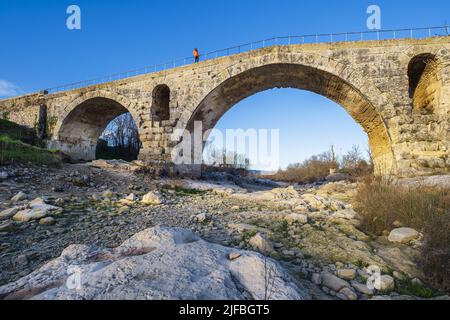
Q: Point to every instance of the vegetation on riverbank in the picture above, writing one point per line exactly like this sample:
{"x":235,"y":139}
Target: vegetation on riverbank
{"x":15,"y":151}
{"x":385,"y":205}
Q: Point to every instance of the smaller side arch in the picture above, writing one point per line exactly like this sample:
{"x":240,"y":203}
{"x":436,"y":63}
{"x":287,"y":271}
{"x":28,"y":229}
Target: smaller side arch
{"x":424,"y":84}
{"x":161,"y":103}
{"x":85,"y":120}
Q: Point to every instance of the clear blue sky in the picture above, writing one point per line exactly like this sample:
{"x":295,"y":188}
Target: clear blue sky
{"x":38,"y":51}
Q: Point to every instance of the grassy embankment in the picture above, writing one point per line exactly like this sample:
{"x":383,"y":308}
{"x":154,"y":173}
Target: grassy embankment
{"x":18,"y":145}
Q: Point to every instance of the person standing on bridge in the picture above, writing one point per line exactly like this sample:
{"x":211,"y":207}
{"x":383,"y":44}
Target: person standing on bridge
{"x":196,"y":55}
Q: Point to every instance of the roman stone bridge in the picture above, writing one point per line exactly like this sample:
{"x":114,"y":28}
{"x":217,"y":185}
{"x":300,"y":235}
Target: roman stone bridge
{"x":397,"y":90}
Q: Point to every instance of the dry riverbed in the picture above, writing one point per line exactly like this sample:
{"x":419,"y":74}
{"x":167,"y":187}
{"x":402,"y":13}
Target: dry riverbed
{"x":312,"y":231}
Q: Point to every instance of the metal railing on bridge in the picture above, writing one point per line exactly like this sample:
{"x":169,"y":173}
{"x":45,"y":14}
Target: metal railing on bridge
{"x":287,"y":40}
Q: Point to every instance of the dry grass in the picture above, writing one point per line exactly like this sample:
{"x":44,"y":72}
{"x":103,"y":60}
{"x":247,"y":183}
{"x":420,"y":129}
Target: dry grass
{"x":381,"y":203}
{"x":311,"y":170}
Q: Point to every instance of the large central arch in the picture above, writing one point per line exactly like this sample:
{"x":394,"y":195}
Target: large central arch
{"x":86,"y":119}
{"x":289,"y":75}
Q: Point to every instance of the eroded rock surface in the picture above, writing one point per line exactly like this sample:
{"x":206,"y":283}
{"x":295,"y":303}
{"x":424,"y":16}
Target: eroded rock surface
{"x":157,"y":263}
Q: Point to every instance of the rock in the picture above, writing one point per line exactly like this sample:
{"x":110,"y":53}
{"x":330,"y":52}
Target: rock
{"x":346,"y":274}
{"x":403,"y":235}
{"x":38,"y":209}
{"x":96,"y":197}
{"x":233,"y":256}
{"x":108,"y":194}
{"x":151,"y":199}
{"x":3,"y":175}
{"x":47,"y":221}
{"x":296,"y":218}
{"x":347,"y":294}
{"x":19,"y":197}
{"x":37,"y":202}
{"x":385,"y":284}
{"x":316,"y":278}
{"x":157,"y":263}
{"x":401,"y":258}
{"x":6,"y":226}
{"x":261,"y":243}
{"x":362,"y":288}
{"x":332,"y":282}
{"x":132,"y":197}
{"x":202,"y":217}
{"x":8,"y":213}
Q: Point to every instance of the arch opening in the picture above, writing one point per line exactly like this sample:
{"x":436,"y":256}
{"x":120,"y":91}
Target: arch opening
{"x":161,"y":103}
{"x":423,"y":82}
{"x":308,"y":126}
{"x":81,"y":129}
{"x":250,"y":82}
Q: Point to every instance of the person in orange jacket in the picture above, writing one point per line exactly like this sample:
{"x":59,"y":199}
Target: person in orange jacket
{"x":196,"y":55}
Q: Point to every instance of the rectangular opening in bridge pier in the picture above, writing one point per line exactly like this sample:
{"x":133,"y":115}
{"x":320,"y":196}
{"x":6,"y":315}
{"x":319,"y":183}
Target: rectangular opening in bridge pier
{"x":41,"y":127}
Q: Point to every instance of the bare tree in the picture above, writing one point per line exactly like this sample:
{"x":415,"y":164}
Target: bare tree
{"x":123,"y":137}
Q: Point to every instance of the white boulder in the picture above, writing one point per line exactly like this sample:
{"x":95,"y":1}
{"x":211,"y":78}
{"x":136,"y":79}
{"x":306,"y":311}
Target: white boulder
{"x":157,"y":263}
{"x":403,"y":235}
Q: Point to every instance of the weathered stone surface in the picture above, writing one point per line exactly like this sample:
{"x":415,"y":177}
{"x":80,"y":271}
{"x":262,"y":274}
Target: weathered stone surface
{"x":403,"y":235}
{"x":157,"y":263}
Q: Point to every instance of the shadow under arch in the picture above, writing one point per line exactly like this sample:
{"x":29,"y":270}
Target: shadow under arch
{"x":79,"y":131}
{"x":286,"y":75}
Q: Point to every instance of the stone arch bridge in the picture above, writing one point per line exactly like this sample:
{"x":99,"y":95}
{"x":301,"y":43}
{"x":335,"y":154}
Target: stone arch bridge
{"x":397,"y":90}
